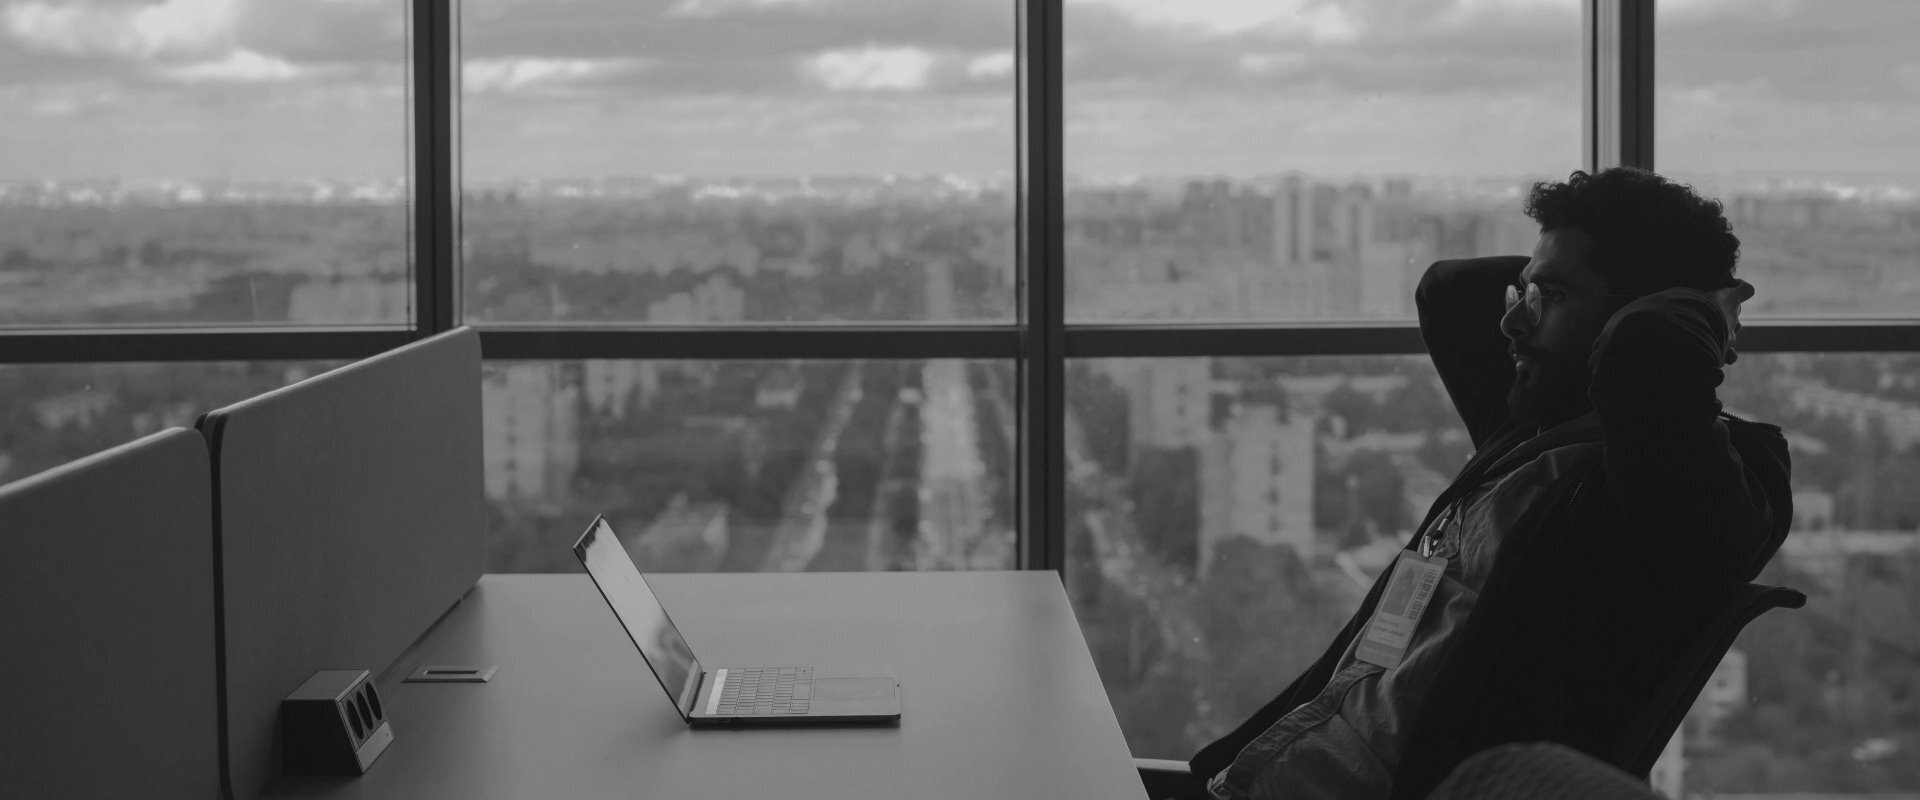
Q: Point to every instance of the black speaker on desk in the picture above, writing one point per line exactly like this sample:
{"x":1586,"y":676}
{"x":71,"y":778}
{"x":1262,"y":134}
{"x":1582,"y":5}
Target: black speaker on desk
{"x":333,"y":724}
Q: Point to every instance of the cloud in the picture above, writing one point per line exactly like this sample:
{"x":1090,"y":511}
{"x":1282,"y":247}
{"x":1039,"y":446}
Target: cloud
{"x":1825,"y":53}
{"x":707,"y":9}
{"x":827,"y":133}
{"x":1474,"y":13}
{"x":1305,"y":19}
{"x":240,"y":66}
{"x":524,"y":74}
{"x":871,"y":69}
{"x":1270,"y":63}
{"x":997,"y":64}
{"x":1471,"y":8}
{"x":788,"y":86}
{"x":1751,"y":9}
{"x":172,"y":27}
{"x":1460,"y":49}
{"x":57,"y":101}
{"x":1330,"y":24}
{"x":331,"y":31}
{"x":1210,"y":16}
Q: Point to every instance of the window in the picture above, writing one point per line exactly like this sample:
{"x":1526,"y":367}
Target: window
{"x":1805,"y":119}
{"x":55,"y":413}
{"x":1823,"y":699}
{"x":183,"y":163}
{"x":743,"y":466}
{"x":711,"y":162}
{"x":717,"y":166}
{"x":780,"y":285}
{"x":1274,"y":163}
{"x":1227,"y":515}
{"x":1292,"y":161}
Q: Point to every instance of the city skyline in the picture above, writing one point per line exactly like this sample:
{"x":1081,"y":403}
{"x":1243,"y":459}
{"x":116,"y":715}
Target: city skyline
{"x":1294,"y":247}
{"x":1201,"y":491}
{"x":1878,"y":188}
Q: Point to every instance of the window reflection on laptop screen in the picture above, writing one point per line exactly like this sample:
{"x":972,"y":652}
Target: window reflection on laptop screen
{"x":639,"y":610}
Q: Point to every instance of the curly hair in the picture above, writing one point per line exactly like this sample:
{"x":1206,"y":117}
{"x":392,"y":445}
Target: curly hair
{"x":1648,"y":232}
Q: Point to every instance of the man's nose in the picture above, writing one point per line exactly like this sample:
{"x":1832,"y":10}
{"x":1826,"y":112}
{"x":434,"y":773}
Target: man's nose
{"x":1514,"y":323}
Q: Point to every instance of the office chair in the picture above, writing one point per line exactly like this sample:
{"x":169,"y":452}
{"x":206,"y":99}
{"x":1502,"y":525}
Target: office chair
{"x":1655,"y":722}
{"x":1539,"y":771}
{"x":1645,"y":736}
{"x":1167,"y":779}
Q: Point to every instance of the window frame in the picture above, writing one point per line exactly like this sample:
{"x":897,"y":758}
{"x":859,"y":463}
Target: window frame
{"x":1617,"y":114}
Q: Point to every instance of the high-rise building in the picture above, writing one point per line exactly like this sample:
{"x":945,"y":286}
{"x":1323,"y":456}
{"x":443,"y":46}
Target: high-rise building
{"x":1293,"y":234}
{"x":1299,"y":285}
{"x":1362,"y":219}
{"x":1210,"y":213}
{"x":1112,"y":216}
{"x":1389,"y":272}
{"x":1256,"y":480}
{"x":611,"y":384}
{"x":1668,"y":776}
{"x":1170,"y":402}
{"x":1724,"y":694}
{"x":530,"y":424}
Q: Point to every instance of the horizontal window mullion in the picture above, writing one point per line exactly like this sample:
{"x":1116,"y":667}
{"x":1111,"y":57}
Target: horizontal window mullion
{"x":1315,"y":339}
{"x":170,"y":344}
{"x":1180,"y":341}
{"x":880,"y":342}
{"x":1874,"y":336}
{"x":904,"y":342}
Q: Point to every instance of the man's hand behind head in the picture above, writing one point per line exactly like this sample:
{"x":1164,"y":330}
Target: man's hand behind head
{"x":1729,"y":300}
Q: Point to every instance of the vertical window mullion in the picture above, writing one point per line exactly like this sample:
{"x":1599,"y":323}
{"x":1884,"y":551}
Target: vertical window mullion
{"x":1042,"y":284}
{"x":434,"y":85}
{"x":1619,"y":45}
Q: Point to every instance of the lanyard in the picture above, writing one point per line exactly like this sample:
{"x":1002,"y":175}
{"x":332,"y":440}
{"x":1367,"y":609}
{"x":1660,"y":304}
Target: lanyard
{"x":1470,"y":479}
{"x":1430,"y":539}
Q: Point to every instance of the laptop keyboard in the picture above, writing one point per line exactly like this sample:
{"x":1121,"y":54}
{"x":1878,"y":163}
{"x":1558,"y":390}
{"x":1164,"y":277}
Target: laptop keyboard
{"x":771,"y":691}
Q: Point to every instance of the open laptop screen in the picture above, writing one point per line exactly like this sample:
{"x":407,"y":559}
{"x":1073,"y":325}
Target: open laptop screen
{"x":640,"y":612}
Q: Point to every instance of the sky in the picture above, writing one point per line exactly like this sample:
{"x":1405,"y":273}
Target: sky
{"x":290,"y":89}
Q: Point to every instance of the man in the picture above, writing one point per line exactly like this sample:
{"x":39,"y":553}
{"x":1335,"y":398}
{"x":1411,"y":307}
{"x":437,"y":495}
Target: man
{"x":1608,"y":506}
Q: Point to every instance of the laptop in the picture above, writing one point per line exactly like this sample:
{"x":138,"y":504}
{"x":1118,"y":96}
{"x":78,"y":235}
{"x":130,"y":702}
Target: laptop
{"x":728,"y":695}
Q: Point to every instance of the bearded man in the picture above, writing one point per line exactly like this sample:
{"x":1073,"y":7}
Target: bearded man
{"x":1608,"y":506}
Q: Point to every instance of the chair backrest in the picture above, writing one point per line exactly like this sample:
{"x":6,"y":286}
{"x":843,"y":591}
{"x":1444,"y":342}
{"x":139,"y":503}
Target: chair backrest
{"x":107,"y":621}
{"x":349,"y":517}
{"x":1655,"y":723}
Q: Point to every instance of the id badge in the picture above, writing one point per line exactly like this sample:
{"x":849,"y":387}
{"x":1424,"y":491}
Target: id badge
{"x":1411,"y":588}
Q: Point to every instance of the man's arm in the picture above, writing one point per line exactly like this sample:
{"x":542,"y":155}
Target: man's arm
{"x":1694,"y":507}
{"x":1460,"y":304}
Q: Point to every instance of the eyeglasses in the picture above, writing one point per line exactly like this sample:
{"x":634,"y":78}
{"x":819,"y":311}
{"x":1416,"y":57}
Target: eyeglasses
{"x":1536,"y":299}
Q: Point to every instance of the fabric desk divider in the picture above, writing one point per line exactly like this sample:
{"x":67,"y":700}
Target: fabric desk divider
{"x":107,"y":615}
{"x":348,"y":519}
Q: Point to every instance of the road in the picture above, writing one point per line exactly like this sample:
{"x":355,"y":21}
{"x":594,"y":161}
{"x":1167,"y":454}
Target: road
{"x":1125,"y":564}
{"x":803,"y":511}
{"x":956,"y":510}
{"x":956,"y":515}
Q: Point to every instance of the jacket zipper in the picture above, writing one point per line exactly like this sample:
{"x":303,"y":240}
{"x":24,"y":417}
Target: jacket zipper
{"x":1576,"y":493}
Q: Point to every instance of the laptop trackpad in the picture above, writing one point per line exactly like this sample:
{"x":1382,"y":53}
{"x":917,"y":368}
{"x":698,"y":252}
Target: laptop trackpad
{"x":852,"y":689}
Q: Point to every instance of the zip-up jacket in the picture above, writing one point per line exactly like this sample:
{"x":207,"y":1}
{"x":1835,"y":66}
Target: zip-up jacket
{"x":1606,"y":574}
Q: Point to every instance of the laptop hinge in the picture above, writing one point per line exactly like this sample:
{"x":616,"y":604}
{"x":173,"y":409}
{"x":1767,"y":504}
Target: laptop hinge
{"x":693,"y":699}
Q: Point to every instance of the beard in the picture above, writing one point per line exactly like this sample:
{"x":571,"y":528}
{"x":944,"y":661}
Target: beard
{"x":1546,"y":393}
